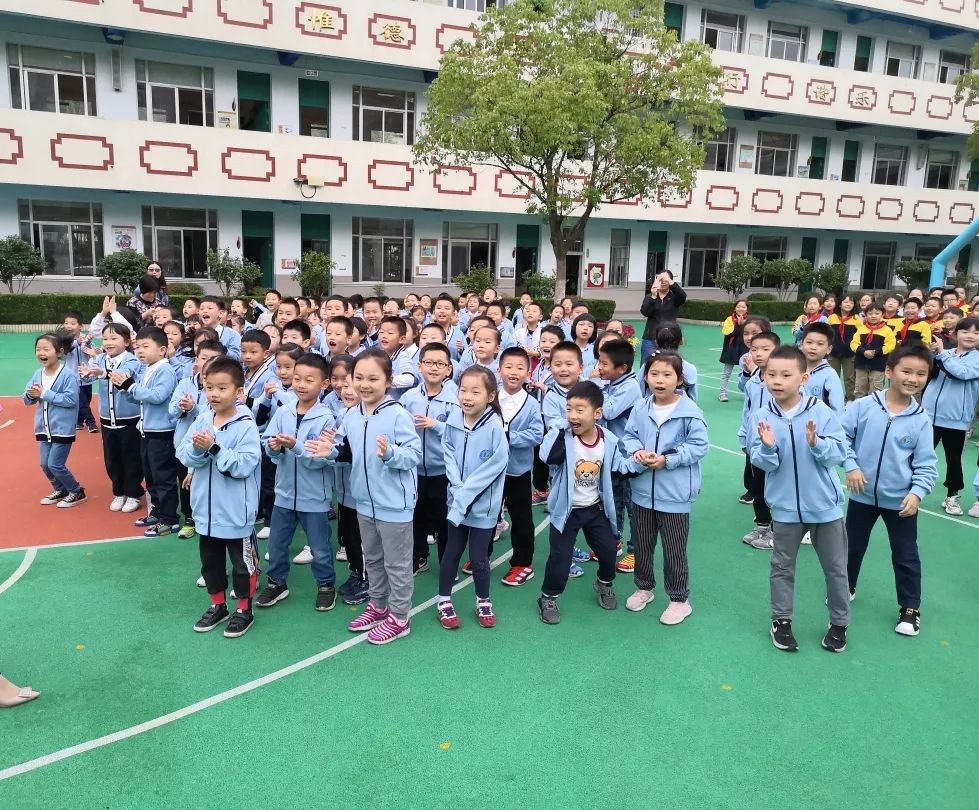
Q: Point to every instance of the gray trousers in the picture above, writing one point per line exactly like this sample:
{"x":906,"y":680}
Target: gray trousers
{"x":829,"y":541}
{"x":388,"y":549}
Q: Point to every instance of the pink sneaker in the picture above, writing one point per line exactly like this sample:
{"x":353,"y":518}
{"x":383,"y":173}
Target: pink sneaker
{"x":389,"y":630}
{"x":974,"y":510}
{"x":676,"y":612}
{"x":369,"y":619}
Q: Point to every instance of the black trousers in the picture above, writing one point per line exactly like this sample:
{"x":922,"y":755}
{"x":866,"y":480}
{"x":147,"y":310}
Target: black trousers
{"x":184,"y":492}
{"x":243,"y":554}
{"x":160,"y":469}
{"x":953,"y":441}
{"x":746,"y":474}
{"x":763,"y":514}
{"x":431,"y":512}
{"x":123,"y":460}
{"x":478,"y":541}
{"x":85,"y":415}
{"x":267,"y":498}
{"x":516,"y":496}
{"x":902,"y":532}
{"x":599,"y":534}
{"x":348,"y":533}
{"x":541,"y":474}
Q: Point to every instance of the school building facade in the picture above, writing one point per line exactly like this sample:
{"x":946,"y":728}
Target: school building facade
{"x":271,"y":127}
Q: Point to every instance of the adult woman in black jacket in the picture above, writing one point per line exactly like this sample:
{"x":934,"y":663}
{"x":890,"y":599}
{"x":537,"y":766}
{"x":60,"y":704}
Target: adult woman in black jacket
{"x":662,"y":305}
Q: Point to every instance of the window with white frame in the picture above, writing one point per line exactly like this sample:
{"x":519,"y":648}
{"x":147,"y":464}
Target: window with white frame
{"x":384,"y":116}
{"x":618,"y":266}
{"x":890,"y":165}
{"x":465,"y":245}
{"x":902,"y":60}
{"x":703,"y":254}
{"x":68,"y":234}
{"x":787,"y":42}
{"x":925,"y":251}
{"x":46,"y":80}
{"x":723,"y":32}
{"x":468,"y":5}
{"x":776,"y":154}
{"x":943,"y":168}
{"x":179,"y":239}
{"x":719,"y":151}
{"x":952,"y":65}
{"x":175,"y":94}
{"x":382,"y":250}
{"x":878,"y":265}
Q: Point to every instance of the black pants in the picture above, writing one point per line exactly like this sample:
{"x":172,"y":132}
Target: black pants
{"x":599,"y":534}
{"x":85,"y":415}
{"x":243,"y":554}
{"x":903,"y":535}
{"x":184,"y":493}
{"x":953,"y":441}
{"x":160,"y":469}
{"x":267,"y":498}
{"x":541,"y":474}
{"x":672,"y":528}
{"x":431,"y":510}
{"x":478,"y":541}
{"x":348,"y":533}
{"x":516,"y":496}
{"x":746,"y":474}
{"x":763,"y":515}
{"x":123,"y":460}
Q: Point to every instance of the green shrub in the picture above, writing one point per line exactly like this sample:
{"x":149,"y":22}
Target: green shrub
{"x":314,"y":273}
{"x":51,"y":307}
{"x":185,"y":288}
{"x":20,"y":263}
{"x":479,"y":278}
{"x":539,"y":286}
{"x":717,"y":311}
{"x":122,"y":270}
{"x":762,"y":296}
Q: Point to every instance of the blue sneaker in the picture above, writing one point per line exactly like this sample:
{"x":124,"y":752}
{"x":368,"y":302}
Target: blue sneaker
{"x":354,"y":590}
{"x":161,"y":530}
{"x":576,"y":571}
{"x":579,"y":556}
{"x":146,"y":522}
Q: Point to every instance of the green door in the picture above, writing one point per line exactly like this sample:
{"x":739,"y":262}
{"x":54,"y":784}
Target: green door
{"x":673,"y":18}
{"x":314,"y":108}
{"x":851,"y":157}
{"x":254,"y":101}
{"x":974,"y":176}
{"x":527,"y":254}
{"x":841,"y":251}
{"x":314,"y":233}
{"x":809,"y":247}
{"x":861,"y":61}
{"x":257,"y":228}
{"x":817,"y":159}
{"x":827,"y":53}
{"x":655,"y":255}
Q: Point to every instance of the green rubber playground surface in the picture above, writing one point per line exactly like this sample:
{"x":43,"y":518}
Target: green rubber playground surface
{"x":607,"y":709}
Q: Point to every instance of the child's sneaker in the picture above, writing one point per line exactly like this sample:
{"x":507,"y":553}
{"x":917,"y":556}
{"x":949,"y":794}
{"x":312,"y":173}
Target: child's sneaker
{"x":606,"y":595}
{"x":92,"y":427}
{"x":341,"y":555}
{"x":389,"y":630}
{"x":760,"y":537}
{"x":909,"y":622}
{"x":501,"y":527}
{"x":145,"y":522}
{"x":627,"y":564}
{"x":160,"y":530}
{"x":974,"y":510}
{"x":201,"y":583}
{"x":467,"y":568}
{"x":539,"y":497}
{"x":748,"y":498}
{"x":304,"y":557}
{"x":484,"y":613}
{"x":430,"y":540}
{"x":326,"y":598}
{"x":241,"y":620}
{"x":807,"y":538}
{"x":676,"y":612}
{"x":782,"y":636}
{"x":117,"y":503}
{"x":354,"y":590}
{"x":369,"y":619}
{"x":547,"y":607}
{"x":212,"y":617}
{"x":639,"y":600}
{"x":131,"y":505}
{"x":518,"y":575}
{"x":74,"y":499}
{"x":263,"y":533}
{"x":952,"y":506}
{"x":271,"y":594}
{"x":835,"y":639}
{"x":579,"y":556}
{"x":722,"y":397}
{"x":575,"y":571}
{"x":188,"y":530}
{"x":420,"y":566}
{"x":448,"y":617}
{"x":54,"y":497}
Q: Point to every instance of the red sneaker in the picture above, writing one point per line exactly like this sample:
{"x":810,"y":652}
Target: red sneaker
{"x":518,"y":575}
{"x":448,"y":617}
{"x":539,"y":496}
{"x":618,"y":553}
{"x":484,"y":613}
{"x":467,"y":569}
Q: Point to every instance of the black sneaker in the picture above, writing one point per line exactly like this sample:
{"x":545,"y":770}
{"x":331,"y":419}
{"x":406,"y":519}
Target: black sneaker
{"x":835,"y":639}
{"x":73,"y":499}
{"x":212,"y":617}
{"x":354,"y":590}
{"x":782,"y":636}
{"x":420,"y":566}
{"x":747,"y":498}
{"x":606,"y":595}
{"x":271,"y":594}
{"x":92,"y":428}
{"x":549,"y":614}
{"x":326,"y":597}
{"x":241,"y":620}
{"x":909,"y":622}
{"x":54,"y":497}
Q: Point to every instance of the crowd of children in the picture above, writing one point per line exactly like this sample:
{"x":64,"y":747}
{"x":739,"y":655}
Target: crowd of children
{"x":418,"y":423}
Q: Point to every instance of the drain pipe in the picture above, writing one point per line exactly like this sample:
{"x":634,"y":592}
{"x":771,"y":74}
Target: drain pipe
{"x":938,"y":264}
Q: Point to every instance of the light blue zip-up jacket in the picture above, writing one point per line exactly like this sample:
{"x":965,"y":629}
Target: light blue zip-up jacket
{"x":455,"y":334}
{"x":231,"y":340}
{"x":801,"y":485}
{"x":114,"y":405}
{"x":403,"y":372}
{"x":303,"y":483}
{"x":153,"y":399}
{"x":57,"y":413}
{"x":682,"y":438}
{"x":475,"y":464}
{"x":255,"y":385}
{"x":493,"y":366}
{"x":341,"y":474}
{"x":183,"y":365}
{"x":689,"y":386}
{"x":755,"y":396}
{"x":588,"y":360}
{"x":525,"y":432}
{"x":192,"y":387}
{"x":558,"y":452}
{"x":950,"y":398}
{"x":621,"y":396}
{"x":554,"y":408}
{"x":264,"y":408}
{"x":333,"y":401}
{"x":440,"y":407}
{"x":385,"y":489}
{"x":76,"y":357}
{"x":824,"y":384}
{"x":895,"y":453}
{"x":224,"y":491}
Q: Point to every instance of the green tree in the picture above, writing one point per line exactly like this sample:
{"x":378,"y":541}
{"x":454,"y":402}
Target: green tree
{"x":476,"y":280}
{"x":20,"y":262}
{"x":581,"y":102}
{"x":122,"y":271}
{"x":913,"y":272}
{"x":314,"y":273}
{"x":735,"y":274}
{"x":538,"y":286}
{"x":832,"y":278}
{"x":784,"y":274}
{"x":967,"y":90}
{"x":232,"y":274}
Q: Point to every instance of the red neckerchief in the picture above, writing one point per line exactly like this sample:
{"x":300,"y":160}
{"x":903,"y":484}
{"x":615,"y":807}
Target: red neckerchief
{"x":843,"y":319}
{"x":906,"y":326}
{"x":813,"y":318}
{"x":933,"y":321}
{"x":872,"y":328}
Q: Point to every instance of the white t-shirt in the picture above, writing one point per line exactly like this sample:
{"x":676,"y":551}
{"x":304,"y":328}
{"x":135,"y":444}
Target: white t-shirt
{"x":588,"y":460}
{"x":662,"y":412}
{"x":47,"y":380}
{"x":510,"y":405}
{"x":788,"y":413}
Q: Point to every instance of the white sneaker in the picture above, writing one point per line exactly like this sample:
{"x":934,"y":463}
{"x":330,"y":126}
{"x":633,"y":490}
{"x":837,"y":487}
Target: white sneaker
{"x":807,"y":540}
{"x":431,"y":538}
{"x":501,"y":527}
{"x":342,"y":554}
{"x":131,"y":505}
{"x":676,"y":612}
{"x":117,"y":503}
{"x":639,"y":600}
{"x":201,"y":583}
{"x":231,"y":594}
{"x":266,"y":556}
{"x":952,"y":505}
{"x":263,"y":533}
{"x":974,"y":510}
{"x":722,"y":397}
{"x":760,"y":537}
{"x":304,"y":557}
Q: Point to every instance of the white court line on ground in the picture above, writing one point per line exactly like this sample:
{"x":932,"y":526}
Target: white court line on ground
{"x":21,"y":570}
{"x":6,"y":424}
{"x":74,"y":543}
{"x":221,"y":697}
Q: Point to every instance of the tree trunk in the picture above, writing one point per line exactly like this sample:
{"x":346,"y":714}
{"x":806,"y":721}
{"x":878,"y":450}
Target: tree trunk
{"x":560,"y":248}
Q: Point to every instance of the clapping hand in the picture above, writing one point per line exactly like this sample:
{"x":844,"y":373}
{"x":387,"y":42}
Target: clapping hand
{"x":424,"y":422}
{"x":766,"y":434}
{"x":811,"y":435}
{"x":323,"y":446}
{"x":382,"y":446}
{"x":34,"y":391}
{"x":203,"y":440}
{"x":118,"y":378}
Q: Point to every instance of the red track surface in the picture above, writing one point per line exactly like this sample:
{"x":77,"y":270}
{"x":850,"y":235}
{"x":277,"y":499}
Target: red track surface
{"x":22,"y":485}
